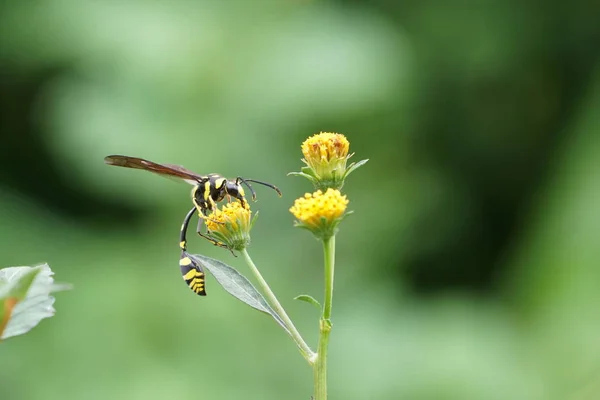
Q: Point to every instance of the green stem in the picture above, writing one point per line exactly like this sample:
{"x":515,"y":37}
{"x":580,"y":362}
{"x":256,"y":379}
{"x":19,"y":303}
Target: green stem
{"x":307,"y":353}
{"x":320,"y":365}
{"x":329,"y":253}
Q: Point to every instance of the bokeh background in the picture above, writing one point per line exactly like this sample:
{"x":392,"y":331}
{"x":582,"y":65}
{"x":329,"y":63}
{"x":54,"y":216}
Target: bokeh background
{"x":470,"y":269}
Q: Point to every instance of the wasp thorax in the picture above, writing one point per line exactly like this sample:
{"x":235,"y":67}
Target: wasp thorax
{"x":235,"y":190}
{"x":201,"y":197}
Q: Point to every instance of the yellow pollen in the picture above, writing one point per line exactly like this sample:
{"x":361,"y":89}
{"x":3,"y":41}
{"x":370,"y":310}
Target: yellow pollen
{"x":230,"y":217}
{"x":312,"y":207}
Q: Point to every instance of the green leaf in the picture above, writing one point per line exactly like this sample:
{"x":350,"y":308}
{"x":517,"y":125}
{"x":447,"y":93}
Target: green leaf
{"x":237,"y":285}
{"x":307,"y":176}
{"x":352,"y":167}
{"x":309,"y":299}
{"x":25,"y":298}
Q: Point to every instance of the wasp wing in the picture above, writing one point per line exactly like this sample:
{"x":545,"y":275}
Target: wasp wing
{"x":166,"y":170}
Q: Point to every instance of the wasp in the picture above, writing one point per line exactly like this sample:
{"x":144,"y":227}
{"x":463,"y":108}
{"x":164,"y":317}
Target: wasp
{"x":207,"y":191}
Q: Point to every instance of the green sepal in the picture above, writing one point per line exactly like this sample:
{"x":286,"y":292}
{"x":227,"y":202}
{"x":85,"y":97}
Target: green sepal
{"x":325,"y":230}
{"x":323,"y":185}
{"x":253,"y":220}
{"x":218,"y":236}
{"x":298,"y":224}
{"x":25,"y":294}
{"x":309,"y":299}
{"x":304,"y":175}
{"x":235,"y":241}
{"x":225,"y":240}
{"x":342,"y":217}
{"x":309,"y":171}
{"x":354,"y":166}
{"x":237,"y":285}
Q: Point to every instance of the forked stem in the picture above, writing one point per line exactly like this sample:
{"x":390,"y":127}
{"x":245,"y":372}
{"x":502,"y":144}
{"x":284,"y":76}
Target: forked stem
{"x":307,"y":353}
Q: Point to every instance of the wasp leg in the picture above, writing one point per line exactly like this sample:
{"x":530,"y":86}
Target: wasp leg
{"x":205,"y":218}
{"x":213,"y":205}
{"x":199,"y":230}
{"x":203,"y":215}
{"x":210,"y":239}
{"x":192,"y":272}
{"x":184,"y":226}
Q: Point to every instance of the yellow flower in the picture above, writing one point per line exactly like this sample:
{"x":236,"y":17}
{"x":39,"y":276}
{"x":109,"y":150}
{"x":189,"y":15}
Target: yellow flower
{"x":325,"y":147}
{"x":320,"y":212}
{"x":325,"y":156}
{"x":231,"y":225}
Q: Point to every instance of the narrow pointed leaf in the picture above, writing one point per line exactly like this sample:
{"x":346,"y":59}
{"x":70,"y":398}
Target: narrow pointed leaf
{"x":309,"y":299}
{"x":237,"y":285}
{"x":307,"y":176}
{"x":352,"y":167}
{"x":25,"y":298}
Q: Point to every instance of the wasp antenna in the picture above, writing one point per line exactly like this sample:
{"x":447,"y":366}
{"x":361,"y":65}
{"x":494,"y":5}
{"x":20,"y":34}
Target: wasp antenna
{"x":275,"y":188}
{"x":245,"y":182}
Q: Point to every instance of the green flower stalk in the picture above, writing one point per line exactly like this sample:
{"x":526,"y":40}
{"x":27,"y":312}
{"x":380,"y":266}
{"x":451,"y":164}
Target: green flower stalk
{"x":321,"y":214}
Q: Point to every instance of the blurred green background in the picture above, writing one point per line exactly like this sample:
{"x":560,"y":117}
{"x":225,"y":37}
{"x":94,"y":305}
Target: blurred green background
{"x":470,"y":270}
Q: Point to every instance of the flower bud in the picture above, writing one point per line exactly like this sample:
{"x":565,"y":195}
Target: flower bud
{"x":325,"y":156}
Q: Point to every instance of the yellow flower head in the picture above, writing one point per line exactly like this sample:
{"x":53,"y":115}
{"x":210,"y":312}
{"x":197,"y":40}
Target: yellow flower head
{"x":320,"y":212}
{"x":325,"y":147}
{"x":231,"y":225}
{"x":325,"y":156}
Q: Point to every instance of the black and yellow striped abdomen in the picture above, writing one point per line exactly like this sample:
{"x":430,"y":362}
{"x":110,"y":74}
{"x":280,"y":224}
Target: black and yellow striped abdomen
{"x":192,"y":273}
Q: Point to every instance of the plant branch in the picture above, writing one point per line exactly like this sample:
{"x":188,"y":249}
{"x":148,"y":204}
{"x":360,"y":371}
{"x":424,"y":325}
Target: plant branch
{"x":307,"y":353}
